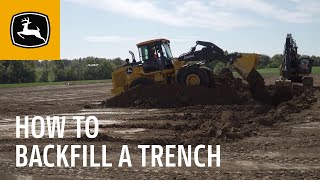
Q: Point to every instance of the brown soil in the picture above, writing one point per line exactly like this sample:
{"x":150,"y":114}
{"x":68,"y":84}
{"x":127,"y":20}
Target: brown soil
{"x":237,"y":122}
{"x":225,"y":90}
{"x":244,"y":107}
{"x":258,"y":140}
{"x":269,"y":94}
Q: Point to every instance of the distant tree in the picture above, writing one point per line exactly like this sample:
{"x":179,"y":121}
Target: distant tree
{"x":20,"y":72}
{"x":2,"y":73}
{"x":60,"y":75}
{"x":90,"y":72}
{"x":118,"y":62}
{"x":78,"y":68}
{"x":316,"y":60}
{"x":71,"y":74}
{"x":44,"y":76}
{"x":29,"y":72}
{"x":264,"y":61}
{"x":14,"y":71}
{"x":104,"y":70}
{"x":58,"y":70}
{"x":276,"y":61}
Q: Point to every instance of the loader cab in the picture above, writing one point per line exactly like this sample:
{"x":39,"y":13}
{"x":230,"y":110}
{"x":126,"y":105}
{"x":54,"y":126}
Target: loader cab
{"x":155,"y":55}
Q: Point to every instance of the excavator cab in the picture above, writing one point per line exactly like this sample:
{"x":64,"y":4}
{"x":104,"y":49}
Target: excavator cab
{"x":155,"y":54}
{"x":305,"y":66}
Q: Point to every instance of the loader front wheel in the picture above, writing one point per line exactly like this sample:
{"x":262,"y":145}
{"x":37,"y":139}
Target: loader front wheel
{"x":193,"y":76}
{"x":193,"y":80}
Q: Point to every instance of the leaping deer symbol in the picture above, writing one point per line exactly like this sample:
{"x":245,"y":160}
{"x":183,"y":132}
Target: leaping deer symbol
{"x":29,"y":32}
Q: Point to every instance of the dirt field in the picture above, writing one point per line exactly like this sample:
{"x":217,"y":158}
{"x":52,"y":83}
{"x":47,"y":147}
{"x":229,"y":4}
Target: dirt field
{"x":257,"y":141}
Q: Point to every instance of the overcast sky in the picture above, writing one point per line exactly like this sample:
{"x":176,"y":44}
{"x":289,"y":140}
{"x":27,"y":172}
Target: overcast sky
{"x":109,"y":28}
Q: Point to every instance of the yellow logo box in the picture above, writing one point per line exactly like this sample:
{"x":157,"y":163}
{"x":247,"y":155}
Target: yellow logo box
{"x":30,"y":30}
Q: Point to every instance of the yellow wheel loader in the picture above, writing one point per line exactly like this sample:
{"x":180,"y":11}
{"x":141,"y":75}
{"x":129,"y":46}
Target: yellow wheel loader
{"x":157,"y":65}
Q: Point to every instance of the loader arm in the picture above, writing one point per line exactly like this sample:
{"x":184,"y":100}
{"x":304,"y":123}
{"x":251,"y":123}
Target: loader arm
{"x":210,"y":52}
{"x":243,"y":64}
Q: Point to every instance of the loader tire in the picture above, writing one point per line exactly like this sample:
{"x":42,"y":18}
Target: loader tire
{"x":210,"y":76}
{"x":193,"y":76}
{"x":141,"y":82}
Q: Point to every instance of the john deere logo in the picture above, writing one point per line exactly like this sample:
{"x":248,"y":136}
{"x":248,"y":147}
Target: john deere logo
{"x":30,"y":30}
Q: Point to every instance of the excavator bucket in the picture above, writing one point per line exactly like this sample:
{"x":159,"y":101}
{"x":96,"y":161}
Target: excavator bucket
{"x":284,"y":86}
{"x":246,"y":64}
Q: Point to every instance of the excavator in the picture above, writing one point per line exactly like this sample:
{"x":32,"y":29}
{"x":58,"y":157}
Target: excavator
{"x":157,"y":65}
{"x":293,"y":68}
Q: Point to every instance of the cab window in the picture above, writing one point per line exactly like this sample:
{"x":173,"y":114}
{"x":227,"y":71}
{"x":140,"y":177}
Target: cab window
{"x":144,"y":53}
{"x":166,"y":51}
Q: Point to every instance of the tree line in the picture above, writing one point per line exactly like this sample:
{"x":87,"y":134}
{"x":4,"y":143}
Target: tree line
{"x":90,"y":68}
{"x":266,"y":61}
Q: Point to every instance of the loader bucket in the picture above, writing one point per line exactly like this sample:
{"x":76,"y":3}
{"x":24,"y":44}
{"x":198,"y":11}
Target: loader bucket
{"x":246,"y":64}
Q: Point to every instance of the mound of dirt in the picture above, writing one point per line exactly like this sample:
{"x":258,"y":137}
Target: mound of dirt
{"x":269,"y":95}
{"x":228,"y":111}
{"x":227,"y":125}
{"x":226,"y":90}
{"x":234,"y":123}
